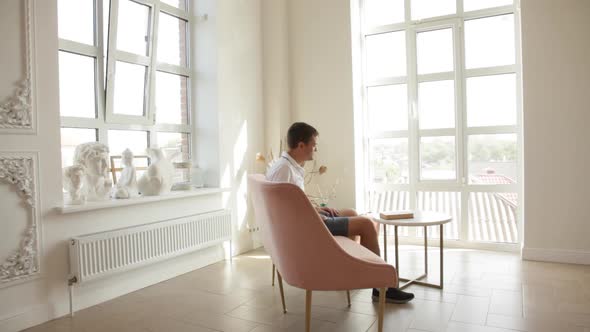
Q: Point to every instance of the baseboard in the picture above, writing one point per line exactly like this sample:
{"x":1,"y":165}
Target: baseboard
{"x":556,"y":255}
{"x":23,"y":320}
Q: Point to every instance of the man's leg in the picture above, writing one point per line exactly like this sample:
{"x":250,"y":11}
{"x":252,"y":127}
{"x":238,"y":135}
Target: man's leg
{"x":368,"y":230}
{"x":352,"y":213}
{"x":364,"y":227}
{"x":347,"y":213}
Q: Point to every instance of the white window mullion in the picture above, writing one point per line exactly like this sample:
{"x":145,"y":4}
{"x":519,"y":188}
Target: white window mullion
{"x":78,"y":48}
{"x":173,"y":69}
{"x":112,"y":46}
{"x":408,"y":10}
{"x":152,"y":138}
{"x":438,"y":132}
{"x":490,"y":130}
{"x":499,"y":70}
{"x":520,"y":158}
{"x":436,"y":77}
{"x":100,"y":63}
{"x":364,"y":114}
{"x":103,"y":136}
{"x":168,"y":9}
{"x":151,"y":109}
{"x":461,"y":107}
{"x":488,"y":12}
{"x":414,"y":139}
{"x":132,"y":58}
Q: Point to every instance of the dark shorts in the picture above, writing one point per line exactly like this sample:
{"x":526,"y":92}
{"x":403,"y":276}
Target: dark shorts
{"x":338,"y":226}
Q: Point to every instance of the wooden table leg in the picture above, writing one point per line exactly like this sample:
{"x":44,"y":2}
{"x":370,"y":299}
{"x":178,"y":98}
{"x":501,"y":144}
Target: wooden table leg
{"x":441,"y":256}
{"x":385,"y":242}
{"x":425,"y":250}
{"x":417,"y":280}
{"x":396,"y":253}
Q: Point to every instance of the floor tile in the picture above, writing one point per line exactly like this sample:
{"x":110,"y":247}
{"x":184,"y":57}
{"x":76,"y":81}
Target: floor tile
{"x":471,"y":309}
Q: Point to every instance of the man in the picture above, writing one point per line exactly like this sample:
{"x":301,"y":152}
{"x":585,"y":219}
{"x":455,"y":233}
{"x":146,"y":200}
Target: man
{"x":302,"y":141}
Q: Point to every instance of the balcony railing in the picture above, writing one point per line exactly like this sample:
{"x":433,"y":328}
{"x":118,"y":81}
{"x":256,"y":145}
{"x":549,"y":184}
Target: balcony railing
{"x":491,"y":217}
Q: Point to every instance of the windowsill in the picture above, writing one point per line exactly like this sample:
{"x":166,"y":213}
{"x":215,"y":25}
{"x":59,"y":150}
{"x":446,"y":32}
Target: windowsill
{"x":113,"y":203}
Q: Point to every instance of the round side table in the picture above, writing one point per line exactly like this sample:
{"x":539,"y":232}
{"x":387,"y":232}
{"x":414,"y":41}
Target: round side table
{"x":421,"y":219}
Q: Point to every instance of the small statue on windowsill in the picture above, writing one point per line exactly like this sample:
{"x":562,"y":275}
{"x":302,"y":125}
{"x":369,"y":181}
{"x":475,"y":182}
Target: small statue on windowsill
{"x":93,"y":157}
{"x":157,"y":180}
{"x":73,"y":177}
{"x":126,"y":186}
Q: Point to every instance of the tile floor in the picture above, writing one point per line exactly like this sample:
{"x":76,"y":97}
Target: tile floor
{"x":484,"y":291}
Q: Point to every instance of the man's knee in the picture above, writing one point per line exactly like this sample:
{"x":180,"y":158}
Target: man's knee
{"x":348,"y":213}
{"x":369,"y":227}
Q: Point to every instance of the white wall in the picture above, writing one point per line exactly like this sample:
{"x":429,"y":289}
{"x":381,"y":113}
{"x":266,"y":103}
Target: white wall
{"x":237,"y":134}
{"x":321,"y":87}
{"x":275,"y":57}
{"x":556,"y":98}
{"x":240,"y":106}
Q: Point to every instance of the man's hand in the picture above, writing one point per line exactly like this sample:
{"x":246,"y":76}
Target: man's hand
{"x":331,"y":212}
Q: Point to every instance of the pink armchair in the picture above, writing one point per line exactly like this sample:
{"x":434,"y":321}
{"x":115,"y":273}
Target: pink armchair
{"x":305,"y":253}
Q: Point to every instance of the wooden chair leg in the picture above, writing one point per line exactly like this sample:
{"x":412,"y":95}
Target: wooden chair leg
{"x":282,"y":293}
{"x":348,"y":297}
{"x":273,"y":274}
{"x":382,"y":292}
{"x":308,"y":311}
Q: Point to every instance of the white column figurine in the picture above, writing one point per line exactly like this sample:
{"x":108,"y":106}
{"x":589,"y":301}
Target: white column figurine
{"x":126,"y":186}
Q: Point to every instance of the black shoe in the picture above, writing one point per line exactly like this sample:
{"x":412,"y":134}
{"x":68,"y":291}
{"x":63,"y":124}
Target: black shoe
{"x":393,"y":295}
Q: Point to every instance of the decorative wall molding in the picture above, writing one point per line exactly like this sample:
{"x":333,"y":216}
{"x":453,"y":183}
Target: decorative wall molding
{"x":20,"y":170}
{"x":17,"y":113}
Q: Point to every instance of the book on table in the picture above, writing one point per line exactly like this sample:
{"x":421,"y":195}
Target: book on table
{"x":393,"y":215}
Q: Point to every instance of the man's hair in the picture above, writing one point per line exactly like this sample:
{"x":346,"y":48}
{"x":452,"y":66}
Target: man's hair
{"x":300,"y":132}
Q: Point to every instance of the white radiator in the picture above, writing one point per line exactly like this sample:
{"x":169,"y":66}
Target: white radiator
{"x":100,"y":254}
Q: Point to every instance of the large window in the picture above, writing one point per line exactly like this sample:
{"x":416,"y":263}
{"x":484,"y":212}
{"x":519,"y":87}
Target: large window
{"x":441,"y":112}
{"x":124,"y":76}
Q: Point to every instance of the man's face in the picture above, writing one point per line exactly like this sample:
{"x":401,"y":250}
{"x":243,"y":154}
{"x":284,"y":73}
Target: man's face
{"x":309,"y":148}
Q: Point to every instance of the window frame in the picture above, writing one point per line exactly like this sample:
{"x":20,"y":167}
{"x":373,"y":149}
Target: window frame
{"x":104,"y":119}
{"x":461,"y":132}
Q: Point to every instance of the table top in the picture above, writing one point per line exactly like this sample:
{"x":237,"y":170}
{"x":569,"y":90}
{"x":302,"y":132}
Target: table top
{"x":421,"y":218}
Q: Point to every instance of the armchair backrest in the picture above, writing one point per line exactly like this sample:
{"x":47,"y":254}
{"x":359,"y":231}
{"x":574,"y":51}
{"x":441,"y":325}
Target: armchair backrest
{"x":292,"y":231}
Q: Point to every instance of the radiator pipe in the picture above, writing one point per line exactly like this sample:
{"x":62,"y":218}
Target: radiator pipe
{"x":71,"y":283}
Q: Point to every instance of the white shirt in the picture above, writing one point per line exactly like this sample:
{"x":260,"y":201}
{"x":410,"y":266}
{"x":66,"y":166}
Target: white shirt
{"x":286,"y":169}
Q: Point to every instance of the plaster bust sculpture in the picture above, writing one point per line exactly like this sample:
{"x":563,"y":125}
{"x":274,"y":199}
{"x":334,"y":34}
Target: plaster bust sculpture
{"x":126,"y":186}
{"x":73,"y":177}
{"x":94,"y":157}
{"x":157,"y":180}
